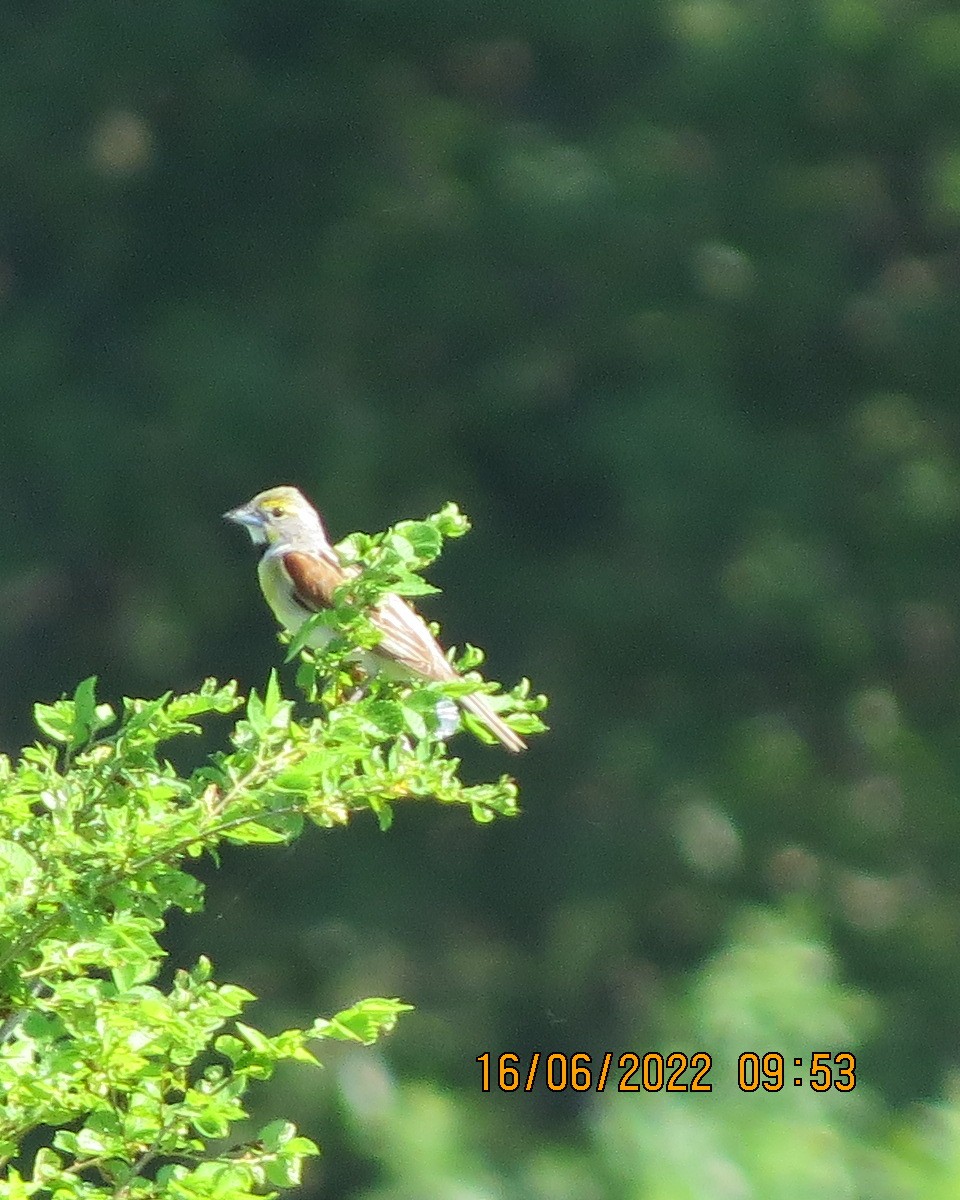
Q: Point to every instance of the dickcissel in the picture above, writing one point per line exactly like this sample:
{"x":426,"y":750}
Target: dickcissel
{"x":299,"y":571}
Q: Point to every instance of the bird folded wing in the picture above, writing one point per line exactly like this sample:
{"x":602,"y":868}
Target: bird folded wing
{"x":405,"y":636}
{"x":314,"y":578}
{"x":407,"y":639}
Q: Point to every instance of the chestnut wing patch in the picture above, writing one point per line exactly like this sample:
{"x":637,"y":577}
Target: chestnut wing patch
{"x":406,"y":638}
{"x":314,"y":579}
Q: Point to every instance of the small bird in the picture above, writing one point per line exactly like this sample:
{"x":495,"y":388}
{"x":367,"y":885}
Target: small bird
{"x":299,"y":571}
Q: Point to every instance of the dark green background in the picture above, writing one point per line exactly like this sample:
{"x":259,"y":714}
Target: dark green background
{"x":667,"y":296}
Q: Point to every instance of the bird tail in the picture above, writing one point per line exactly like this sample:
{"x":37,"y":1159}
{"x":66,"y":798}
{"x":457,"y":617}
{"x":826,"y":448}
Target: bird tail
{"x":480,"y":706}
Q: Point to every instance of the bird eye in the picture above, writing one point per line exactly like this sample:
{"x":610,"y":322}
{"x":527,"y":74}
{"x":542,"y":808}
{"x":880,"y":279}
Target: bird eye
{"x":277,"y":510}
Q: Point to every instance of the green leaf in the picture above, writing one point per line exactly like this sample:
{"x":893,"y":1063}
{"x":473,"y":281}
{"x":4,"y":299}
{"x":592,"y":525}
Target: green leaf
{"x":450,"y":522}
{"x":252,"y":833}
{"x":212,"y":697}
{"x":255,"y":714}
{"x":272,"y":697}
{"x":382,"y":716}
{"x":470,"y":658}
{"x":255,"y":1039}
{"x":362,"y":1022}
{"x":56,"y":720}
{"x":415,"y":720}
{"x":130,"y":974}
{"x":413,"y":585}
{"x":423,"y":538}
{"x":202,"y":971}
{"x":306,"y":677}
{"x":400,"y":545}
{"x":85,"y":708}
{"x":383,"y":812}
{"x":276,"y":1134}
{"x":526,"y":723}
{"x":230,"y":1047}
{"x":17,"y":865}
{"x":304,"y":633}
{"x":477,"y":728}
{"x":285,"y":1171}
{"x":67,"y":1140}
{"x":89,"y":717}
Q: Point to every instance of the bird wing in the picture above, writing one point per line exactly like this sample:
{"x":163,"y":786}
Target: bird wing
{"x":404,"y":634}
{"x":405,"y":637}
{"x":315,"y":577}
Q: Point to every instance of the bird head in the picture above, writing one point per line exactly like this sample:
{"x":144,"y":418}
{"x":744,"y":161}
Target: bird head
{"x":280,"y":515}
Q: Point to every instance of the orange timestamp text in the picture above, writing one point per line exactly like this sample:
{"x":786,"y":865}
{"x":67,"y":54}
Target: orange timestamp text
{"x":653,"y":1071}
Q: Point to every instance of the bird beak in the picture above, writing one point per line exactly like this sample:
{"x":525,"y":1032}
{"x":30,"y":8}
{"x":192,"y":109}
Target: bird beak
{"x":254,"y":521}
{"x":244,"y":516}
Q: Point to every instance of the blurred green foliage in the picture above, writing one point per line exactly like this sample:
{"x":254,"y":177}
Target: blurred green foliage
{"x":666,"y":294}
